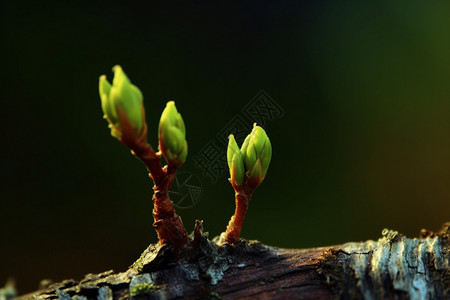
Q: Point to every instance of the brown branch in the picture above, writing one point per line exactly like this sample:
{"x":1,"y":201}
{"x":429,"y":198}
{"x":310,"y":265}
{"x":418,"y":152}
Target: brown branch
{"x":394,"y":267}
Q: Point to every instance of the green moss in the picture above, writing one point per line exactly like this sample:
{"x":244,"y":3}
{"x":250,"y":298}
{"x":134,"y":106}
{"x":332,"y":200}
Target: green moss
{"x":214,"y":295}
{"x":142,"y":289}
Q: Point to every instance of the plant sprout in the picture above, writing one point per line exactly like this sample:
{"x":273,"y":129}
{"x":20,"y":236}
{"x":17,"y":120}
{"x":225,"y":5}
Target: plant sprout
{"x":122,"y":105}
{"x":248,"y":167}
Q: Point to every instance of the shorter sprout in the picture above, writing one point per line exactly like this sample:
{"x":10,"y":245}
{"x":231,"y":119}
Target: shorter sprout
{"x":248,"y":167}
{"x":172,"y":135}
{"x":122,"y":105}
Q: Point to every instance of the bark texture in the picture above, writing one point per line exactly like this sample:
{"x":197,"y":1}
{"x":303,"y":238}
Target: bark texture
{"x":394,"y":267}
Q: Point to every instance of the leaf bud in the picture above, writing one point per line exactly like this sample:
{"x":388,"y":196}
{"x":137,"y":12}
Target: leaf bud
{"x":257,"y":152}
{"x":172,"y":135}
{"x":122,"y":105}
{"x":235,"y":162}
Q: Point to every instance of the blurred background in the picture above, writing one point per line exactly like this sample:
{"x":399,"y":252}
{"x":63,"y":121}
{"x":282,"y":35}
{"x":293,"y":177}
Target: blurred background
{"x":363,"y":143}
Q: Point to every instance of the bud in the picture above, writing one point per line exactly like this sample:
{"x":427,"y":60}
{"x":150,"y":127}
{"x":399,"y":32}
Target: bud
{"x":235,"y":162}
{"x":172,"y":135}
{"x":256,"y":152}
{"x":122,"y":105}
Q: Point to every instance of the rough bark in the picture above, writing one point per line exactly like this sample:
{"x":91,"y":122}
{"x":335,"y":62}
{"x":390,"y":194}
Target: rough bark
{"x":394,"y":267}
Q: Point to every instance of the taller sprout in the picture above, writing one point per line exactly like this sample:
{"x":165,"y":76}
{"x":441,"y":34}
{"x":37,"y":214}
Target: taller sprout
{"x":123,"y":108}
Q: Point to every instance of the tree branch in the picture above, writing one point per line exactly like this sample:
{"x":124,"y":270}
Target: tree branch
{"x":394,"y":267}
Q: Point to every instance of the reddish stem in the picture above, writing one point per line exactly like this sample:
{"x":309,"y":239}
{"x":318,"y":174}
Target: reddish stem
{"x":168,"y":224}
{"x":234,"y":227}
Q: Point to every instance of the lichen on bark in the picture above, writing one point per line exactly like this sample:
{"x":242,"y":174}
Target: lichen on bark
{"x":394,"y":267}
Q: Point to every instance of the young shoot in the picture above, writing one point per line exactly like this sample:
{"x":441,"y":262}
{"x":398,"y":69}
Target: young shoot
{"x":248,"y":168}
{"x":123,"y":108}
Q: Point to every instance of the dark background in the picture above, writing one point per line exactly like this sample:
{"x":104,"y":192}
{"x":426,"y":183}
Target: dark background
{"x":364,"y":142}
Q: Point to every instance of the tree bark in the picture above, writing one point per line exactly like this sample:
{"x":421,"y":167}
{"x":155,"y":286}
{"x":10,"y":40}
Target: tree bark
{"x":394,"y":267}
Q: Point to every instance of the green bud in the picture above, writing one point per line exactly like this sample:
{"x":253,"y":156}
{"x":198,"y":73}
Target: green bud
{"x":235,"y":162}
{"x":232,"y":147}
{"x":172,"y":135}
{"x":122,"y":105}
{"x":244,"y":146}
{"x":182,"y":156}
{"x":257,"y":151}
{"x":104,"y":87}
{"x":256,"y":171}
